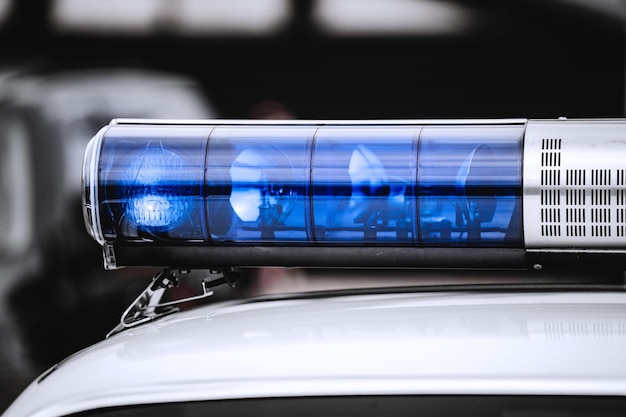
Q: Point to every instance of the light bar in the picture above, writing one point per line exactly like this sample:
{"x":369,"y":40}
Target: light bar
{"x":511,"y":193}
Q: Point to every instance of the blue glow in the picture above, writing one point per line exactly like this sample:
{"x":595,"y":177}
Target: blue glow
{"x":469,"y":185}
{"x":257,"y":183}
{"x":306,"y":184}
{"x":151,"y":187}
{"x":261,"y":186}
{"x":154,"y":202}
{"x":157,"y":211}
{"x":362,"y":184}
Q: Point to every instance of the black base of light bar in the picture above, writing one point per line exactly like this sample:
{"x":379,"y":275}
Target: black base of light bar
{"x":359,"y":257}
{"x":600,"y":261}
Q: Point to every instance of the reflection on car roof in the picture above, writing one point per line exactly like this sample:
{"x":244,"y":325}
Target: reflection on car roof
{"x":462,"y":342}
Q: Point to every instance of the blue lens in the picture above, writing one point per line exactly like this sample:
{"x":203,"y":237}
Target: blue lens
{"x":363,"y":181}
{"x":257,"y":184}
{"x":151,"y":187}
{"x":309,"y":184}
{"x":469,"y":187}
{"x":154,"y":201}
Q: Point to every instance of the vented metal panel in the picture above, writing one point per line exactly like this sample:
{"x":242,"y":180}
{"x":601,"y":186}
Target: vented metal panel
{"x":575,"y":184}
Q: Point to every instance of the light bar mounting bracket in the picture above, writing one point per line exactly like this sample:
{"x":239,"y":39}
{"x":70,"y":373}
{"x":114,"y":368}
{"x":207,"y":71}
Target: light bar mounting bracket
{"x":148,"y":306}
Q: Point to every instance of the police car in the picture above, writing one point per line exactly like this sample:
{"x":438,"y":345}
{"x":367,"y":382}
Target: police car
{"x":433,"y":267}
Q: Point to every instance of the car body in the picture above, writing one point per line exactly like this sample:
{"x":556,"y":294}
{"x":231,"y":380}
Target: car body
{"x":447,"y":292}
{"x":480,"y":343}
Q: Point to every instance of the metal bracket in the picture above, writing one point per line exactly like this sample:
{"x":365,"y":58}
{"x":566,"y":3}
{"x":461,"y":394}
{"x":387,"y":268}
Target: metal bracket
{"x":148,"y":306}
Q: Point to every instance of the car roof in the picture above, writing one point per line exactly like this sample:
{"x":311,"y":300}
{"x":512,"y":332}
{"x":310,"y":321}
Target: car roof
{"x":337,"y":343}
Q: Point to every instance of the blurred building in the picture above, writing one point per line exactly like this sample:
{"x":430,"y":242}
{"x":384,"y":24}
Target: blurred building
{"x":347,"y":58}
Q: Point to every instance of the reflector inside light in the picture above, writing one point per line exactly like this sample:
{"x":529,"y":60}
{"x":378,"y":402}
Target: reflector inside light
{"x":154,"y":201}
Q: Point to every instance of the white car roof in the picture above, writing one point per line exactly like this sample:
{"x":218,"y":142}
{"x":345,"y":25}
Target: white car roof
{"x":464,"y":342}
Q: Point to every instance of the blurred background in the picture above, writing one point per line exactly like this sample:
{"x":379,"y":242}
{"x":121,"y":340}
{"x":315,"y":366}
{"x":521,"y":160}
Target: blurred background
{"x":67,"y":67}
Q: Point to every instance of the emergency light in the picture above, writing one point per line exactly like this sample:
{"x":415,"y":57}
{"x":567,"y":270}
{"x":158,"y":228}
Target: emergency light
{"x":512,"y":193}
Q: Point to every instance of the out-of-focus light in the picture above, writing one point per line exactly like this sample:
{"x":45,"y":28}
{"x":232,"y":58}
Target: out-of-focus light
{"x":181,"y":17}
{"x":236,"y":17}
{"x":391,"y":17}
{"x":135,"y":17}
{"x":16,"y":189}
{"x":609,"y":8}
{"x":6,"y":6}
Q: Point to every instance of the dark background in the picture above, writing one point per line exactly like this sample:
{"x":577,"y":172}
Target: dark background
{"x":531,"y":59}
{"x":523,"y":59}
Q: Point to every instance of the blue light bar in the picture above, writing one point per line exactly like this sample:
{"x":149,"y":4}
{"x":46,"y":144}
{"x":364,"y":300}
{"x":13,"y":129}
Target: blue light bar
{"x":378,"y":193}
